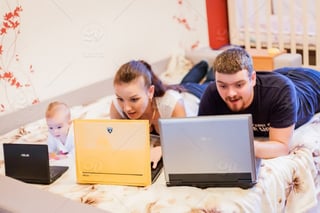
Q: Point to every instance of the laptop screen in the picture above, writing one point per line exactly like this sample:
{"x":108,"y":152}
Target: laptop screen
{"x":30,"y":163}
{"x":208,"y":150}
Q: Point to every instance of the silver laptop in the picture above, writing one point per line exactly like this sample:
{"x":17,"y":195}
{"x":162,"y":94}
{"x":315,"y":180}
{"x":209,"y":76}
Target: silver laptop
{"x":30,"y":163}
{"x":209,"y":151}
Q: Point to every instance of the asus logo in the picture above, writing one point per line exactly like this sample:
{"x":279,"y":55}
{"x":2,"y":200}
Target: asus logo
{"x":25,"y":155}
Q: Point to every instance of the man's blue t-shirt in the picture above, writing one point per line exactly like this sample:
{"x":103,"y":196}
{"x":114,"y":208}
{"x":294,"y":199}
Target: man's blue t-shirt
{"x":277,"y":101}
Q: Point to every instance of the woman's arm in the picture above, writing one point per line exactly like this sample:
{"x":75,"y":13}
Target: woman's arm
{"x":156,"y":151}
{"x":179,"y":109}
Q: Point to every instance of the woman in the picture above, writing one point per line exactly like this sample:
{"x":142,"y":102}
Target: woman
{"x":140,"y":94}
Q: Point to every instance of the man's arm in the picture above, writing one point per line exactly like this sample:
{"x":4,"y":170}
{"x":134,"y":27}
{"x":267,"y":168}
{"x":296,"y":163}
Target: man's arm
{"x":277,"y":145}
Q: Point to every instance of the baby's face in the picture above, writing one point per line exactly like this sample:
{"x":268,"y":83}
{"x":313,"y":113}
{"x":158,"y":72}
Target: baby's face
{"x":58,"y":126}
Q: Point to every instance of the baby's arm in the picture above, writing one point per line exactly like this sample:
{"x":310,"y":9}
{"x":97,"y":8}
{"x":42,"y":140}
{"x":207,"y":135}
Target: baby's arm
{"x":57,"y":156}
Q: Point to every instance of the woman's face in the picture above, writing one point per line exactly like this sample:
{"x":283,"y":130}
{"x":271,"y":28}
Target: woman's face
{"x":134,"y":97}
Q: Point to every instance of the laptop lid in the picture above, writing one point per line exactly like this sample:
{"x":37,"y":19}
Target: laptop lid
{"x":208,"y":151}
{"x":30,"y":163}
{"x":112,"y":151}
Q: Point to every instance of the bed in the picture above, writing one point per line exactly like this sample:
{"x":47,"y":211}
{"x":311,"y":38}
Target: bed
{"x":286,"y":184}
{"x":288,"y":25}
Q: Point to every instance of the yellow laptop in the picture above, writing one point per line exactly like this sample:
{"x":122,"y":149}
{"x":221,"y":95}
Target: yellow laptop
{"x":113,"y":152}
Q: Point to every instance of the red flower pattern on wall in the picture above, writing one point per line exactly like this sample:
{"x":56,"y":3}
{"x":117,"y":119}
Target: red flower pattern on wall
{"x":9,"y":31}
{"x":186,"y":24}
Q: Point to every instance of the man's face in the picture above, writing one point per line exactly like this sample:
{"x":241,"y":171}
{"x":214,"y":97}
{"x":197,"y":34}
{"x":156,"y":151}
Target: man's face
{"x":236,"y":89}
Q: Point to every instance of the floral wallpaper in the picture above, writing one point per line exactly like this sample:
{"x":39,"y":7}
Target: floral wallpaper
{"x":189,"y":19}
{"x":16,"y":88}
{"x":30,"y":60}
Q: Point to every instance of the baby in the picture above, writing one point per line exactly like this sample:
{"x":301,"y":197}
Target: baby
{"x":60,"y":138}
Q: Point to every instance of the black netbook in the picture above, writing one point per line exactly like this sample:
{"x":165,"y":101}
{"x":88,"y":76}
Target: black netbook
{"x":30,"y":163}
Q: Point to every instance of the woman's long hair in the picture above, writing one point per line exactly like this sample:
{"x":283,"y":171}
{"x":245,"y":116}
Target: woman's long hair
{"x":136,"y":68}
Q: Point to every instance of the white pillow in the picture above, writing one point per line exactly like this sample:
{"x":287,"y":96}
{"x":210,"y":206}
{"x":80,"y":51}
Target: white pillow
{"x":177,"y":67}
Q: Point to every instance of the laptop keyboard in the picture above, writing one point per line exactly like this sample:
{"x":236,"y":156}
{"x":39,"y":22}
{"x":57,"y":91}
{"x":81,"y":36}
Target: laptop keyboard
{"x":56,"y":171}
{"x":155,"y":172}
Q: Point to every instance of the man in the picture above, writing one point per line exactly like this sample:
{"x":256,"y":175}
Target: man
{"x":279,"y":101}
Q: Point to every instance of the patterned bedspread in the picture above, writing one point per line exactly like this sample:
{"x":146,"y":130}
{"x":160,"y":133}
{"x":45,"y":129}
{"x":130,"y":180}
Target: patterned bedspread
{"x":286,"y":184}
